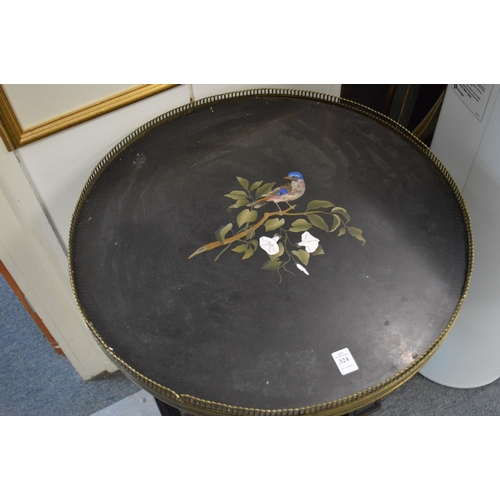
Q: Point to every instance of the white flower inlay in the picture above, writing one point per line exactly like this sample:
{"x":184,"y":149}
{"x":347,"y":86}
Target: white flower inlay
{"x":309,"y":242}
{"x":270,"y":245}
{"x":302,"y":268}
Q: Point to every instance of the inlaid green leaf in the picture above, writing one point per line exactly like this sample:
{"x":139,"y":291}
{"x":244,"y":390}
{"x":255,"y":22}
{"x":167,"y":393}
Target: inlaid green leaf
{"x":255,"y":185}
{"x":240,"y":248}
{"x":271,"y":265}
{"x":318,"y":251}
{"x":341,"y":232}
{"x":264,"y":189}
{"x":244,"y":183}
{"x":302,"y":255}
{"x":343,"y":212}
{"x":300,"y":225}
{"x":236,"y":195}
{"x":318,"y":221}
{"x":254,"y":243}
{"x":250,"y":251}
{"x":250,"y":234}
{"x":220,"y":234}
{"x":246,"y":216}
{"x":357,"y":233}
{"x":336,"y":223}
{"x":238,"y":204}
{"x":273,"y":224}
{"x":315,"y":204}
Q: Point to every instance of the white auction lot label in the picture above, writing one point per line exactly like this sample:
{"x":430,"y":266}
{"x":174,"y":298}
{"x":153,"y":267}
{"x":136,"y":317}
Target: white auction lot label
{"x":345,"y":361}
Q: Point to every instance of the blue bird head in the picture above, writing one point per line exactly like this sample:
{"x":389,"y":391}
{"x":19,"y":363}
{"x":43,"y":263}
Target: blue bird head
{"x":294,"y":174}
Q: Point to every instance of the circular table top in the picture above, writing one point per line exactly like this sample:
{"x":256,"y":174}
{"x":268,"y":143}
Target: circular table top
{"x":319,"y":305}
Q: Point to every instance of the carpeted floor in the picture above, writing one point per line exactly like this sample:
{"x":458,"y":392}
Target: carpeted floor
{"x":34,"y":380}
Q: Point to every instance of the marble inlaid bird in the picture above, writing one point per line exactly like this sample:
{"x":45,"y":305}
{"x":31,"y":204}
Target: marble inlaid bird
{"x":291,"y":190}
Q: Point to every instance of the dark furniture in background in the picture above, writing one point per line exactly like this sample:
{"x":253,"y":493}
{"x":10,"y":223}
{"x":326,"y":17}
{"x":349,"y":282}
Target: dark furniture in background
{"x":416,"y":106}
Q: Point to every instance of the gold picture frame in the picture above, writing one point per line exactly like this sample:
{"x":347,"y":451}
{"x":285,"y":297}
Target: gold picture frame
{"x":14,"y":136}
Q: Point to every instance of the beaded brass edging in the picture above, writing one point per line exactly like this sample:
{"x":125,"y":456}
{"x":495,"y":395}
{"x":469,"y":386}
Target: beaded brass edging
{"x":342,"y":406}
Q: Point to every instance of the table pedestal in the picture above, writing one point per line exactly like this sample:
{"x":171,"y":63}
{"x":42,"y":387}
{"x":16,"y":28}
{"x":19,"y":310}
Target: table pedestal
{"x":167,"y":410}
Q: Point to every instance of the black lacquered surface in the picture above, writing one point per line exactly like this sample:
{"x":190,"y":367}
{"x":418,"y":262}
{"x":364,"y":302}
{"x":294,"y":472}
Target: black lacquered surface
{"x":230,"y":332}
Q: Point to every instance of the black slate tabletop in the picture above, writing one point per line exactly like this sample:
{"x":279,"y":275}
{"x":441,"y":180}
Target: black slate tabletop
{"x":234,"y":324}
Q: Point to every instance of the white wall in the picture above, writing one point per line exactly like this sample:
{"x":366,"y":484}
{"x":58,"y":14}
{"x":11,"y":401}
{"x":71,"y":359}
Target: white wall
{"x":470,"y":149}
{"x":31,"y":253}
{"x":459,"y":134}
{"x":201,"y":91}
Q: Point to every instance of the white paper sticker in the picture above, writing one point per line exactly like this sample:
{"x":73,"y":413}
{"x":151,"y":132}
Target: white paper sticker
{"x":345,"y":361}
{"x":474,"y":96}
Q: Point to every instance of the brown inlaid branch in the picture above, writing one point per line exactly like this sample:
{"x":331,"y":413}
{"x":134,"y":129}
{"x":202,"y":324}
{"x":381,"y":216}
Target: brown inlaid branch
{"x":239,"y":236}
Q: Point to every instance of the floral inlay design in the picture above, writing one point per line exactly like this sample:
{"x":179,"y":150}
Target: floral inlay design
{"x":281,"y":242}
